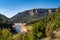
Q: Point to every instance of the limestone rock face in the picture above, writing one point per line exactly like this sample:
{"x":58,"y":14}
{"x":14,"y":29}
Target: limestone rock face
{"x":29,"y":15}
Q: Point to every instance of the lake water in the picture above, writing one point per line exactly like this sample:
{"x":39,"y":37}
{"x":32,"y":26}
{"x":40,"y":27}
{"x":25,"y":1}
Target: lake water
{"x":18,"y":28}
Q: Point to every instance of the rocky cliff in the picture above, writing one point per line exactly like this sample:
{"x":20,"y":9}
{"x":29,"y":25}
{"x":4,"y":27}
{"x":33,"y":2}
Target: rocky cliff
{"x":32,"y":15}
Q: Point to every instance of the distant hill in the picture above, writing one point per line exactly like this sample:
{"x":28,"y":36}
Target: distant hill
{"x":32,"y":15}
{"x":5,"y":22}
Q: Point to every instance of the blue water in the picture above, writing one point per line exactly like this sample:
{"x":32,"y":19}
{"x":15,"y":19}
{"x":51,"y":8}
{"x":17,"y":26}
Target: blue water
{"x":18,"y":28}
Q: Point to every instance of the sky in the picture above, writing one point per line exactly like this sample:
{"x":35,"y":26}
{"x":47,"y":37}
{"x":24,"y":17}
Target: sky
{"x":10,"y":8}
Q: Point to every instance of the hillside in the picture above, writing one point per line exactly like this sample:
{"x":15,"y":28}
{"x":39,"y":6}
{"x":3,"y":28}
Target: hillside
{"x":32,"y":15}
{"x":47,"y":28}
{"x":5,"y":22}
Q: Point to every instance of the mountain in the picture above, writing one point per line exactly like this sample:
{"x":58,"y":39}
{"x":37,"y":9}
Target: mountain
{"x":32,"y":15}
{"x":5,"y":22}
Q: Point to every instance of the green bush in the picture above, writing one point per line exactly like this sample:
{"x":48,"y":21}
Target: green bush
{"x":40,"y":34}
{"x":28,"y":36}
{"x":5,"y":34}
{"x":39,"y":29}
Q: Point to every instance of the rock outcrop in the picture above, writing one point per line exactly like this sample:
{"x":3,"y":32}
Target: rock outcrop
{"x":31,"y":15}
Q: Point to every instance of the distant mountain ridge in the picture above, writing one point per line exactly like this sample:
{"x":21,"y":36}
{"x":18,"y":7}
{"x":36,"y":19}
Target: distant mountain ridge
{"x":31,"y":15}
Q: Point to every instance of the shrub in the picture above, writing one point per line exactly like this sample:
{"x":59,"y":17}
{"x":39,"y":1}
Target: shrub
{"x":16,"y":36}
{"x":5,"y":34}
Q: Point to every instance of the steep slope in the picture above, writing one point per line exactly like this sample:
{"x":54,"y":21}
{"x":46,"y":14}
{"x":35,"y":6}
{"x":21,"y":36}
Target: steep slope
{"x":31,"y":15}
{"x":46,"y":26}
{"x":4,"y":21}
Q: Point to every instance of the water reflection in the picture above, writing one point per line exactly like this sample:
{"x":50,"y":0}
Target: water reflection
{"x":18,"y":28}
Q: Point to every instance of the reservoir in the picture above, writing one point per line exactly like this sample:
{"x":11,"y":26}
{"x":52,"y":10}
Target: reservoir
{"x":17,"y":28}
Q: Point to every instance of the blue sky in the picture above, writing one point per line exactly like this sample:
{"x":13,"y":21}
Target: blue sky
{"x":10,"y":8}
